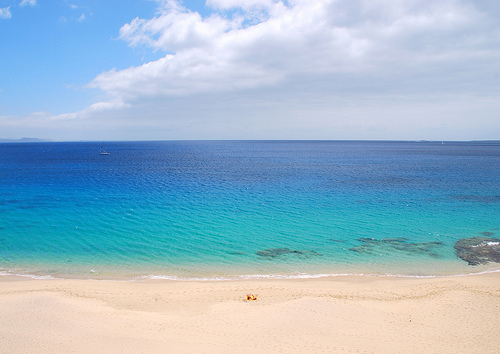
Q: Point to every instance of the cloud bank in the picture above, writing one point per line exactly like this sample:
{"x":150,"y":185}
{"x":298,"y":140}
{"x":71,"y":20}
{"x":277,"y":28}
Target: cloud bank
{"x":261,"y":43}
{"x":330,"y":67}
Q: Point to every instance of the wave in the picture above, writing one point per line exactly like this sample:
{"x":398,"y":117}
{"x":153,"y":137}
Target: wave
{"x":240,"y":277}
{"x":24,"y":275}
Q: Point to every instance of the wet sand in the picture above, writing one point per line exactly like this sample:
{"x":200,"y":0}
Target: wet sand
{"x":328,"y":315}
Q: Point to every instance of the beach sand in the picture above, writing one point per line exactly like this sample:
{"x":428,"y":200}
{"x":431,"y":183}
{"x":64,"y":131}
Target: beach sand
{"x":328,"y":315}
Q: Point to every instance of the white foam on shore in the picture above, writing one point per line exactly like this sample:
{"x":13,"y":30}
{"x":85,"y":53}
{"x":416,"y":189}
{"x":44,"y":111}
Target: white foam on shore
{"x":241,"y":276}
{"x":32,"y":276}
{"x":299,"y":276}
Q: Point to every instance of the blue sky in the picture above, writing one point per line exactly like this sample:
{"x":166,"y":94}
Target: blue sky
{"x":52,"y":49}
{"x":250,"y":69}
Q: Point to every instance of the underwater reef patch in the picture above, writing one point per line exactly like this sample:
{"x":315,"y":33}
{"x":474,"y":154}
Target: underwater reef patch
{"x":336,"y":240}
{"x":478,"y":250}
{"x":372,"y":245}
{"x":271,"y":253}
{"x":236,"y":253}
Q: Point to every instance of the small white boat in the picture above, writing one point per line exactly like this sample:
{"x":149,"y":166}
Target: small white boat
{"x":104,"y":152}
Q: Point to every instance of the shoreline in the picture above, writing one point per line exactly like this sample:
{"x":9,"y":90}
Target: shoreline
{"x":6,"y":273}
{"x":379,"y":314}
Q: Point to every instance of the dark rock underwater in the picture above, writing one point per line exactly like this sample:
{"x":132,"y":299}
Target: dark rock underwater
{"x":478,"y":250}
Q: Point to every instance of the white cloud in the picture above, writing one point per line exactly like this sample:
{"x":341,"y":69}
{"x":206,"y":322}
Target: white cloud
{"x":96,"y":107}
{"x":28,"y":2}
{"x":94,"y":119}
{"x":353,"y":69}
{"x":301,"y":38}
{"x":5,"y":12}
{"x":81,"y":18}
{"x":241,"y":4}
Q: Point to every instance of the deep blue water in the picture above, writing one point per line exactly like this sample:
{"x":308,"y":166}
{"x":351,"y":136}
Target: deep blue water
{"x":201,"y":209}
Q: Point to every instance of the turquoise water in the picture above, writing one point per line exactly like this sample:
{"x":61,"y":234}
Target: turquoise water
{"x":239,"y":209}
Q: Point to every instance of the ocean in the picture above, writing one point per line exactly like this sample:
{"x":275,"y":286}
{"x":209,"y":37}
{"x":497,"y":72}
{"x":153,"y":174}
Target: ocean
{"x":247,"y":209}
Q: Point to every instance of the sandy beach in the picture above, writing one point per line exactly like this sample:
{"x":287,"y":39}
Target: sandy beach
{"x":328,"y":315}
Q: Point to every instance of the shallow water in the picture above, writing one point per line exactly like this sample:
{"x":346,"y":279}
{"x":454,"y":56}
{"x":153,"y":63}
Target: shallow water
{"x":223,"y":209}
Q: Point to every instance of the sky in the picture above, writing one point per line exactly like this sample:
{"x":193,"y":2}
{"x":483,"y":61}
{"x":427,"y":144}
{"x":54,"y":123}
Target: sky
{"x":250,"y":69}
